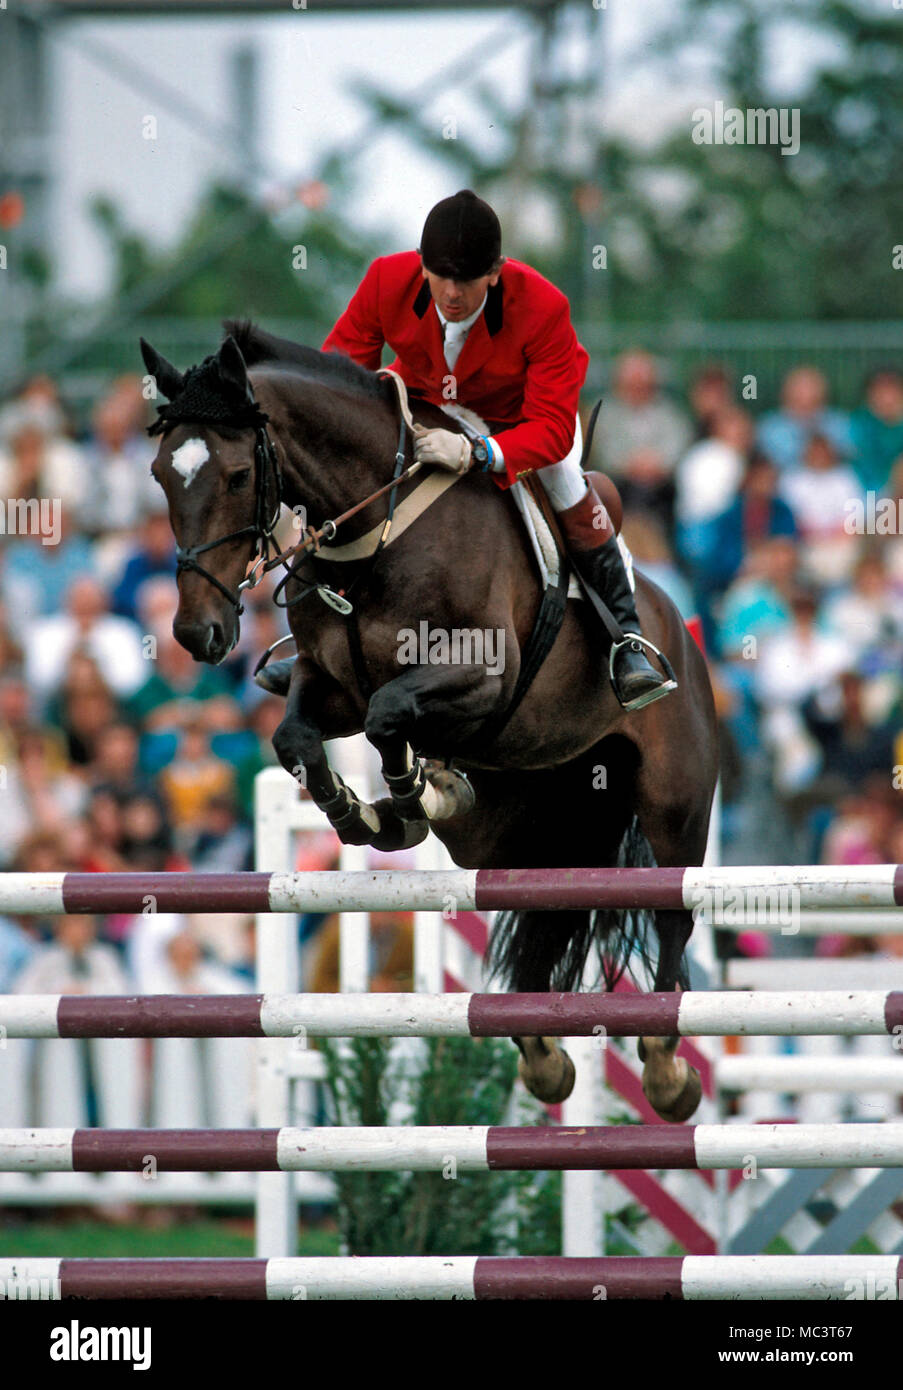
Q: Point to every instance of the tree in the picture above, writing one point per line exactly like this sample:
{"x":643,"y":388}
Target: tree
{"x":714,"y":231}
{"x":242,"y":258}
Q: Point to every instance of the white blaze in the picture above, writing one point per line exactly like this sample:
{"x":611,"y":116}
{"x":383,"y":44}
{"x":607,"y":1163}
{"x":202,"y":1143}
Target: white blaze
{"x":189,"y":458}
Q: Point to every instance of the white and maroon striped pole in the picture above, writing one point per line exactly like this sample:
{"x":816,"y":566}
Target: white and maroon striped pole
{"x":472,"y":1148}
{"x":781,"y":1013}
{"x":691,"y":1277}
{"x":814,"y":886}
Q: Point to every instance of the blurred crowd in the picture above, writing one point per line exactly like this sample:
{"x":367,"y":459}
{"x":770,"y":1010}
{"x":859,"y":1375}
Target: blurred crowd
{"x":118,"y":751}
{"x":783,"y":530}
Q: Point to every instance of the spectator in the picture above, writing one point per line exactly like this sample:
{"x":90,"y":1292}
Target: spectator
{"x":193,"y":779}
{"x":76,"y":962}
{"x":146,"y":838}
{"x":708,"y":481}
{"x":36,"y":457}
{"x":889,"y":535}
{"x":152,"y":556}
{"x":222,"y":844}
{"x":792,"y":666}
{"x":173,"y":679}
{"x":16,"y":712}
{"x":641,"y":435}
{"x":711,"y":393}
{"x":40,"y":793}
{"x":84,"y":708}
{"x":757,"y":604}
{"x":86,"y":627}
{"x":649,"y":547}
{"x":852,"y":747}
{"x":114,"y":767}
{"x":822,"y":496}
{"x":264,"y":718}
{"x":784,"y":434}
{"x":18,"y":946}
{"x":37,"y":577}
{"x":74,"y":1083}
{"x":756,"y":514}
{"x":121,"y":491}
{"x":867,"y":614}
{"x":877,"y":430}
{"x":170,"y":953}
{"x":104,"y":819}
{"x":864,"y":825}
{"x":37,"y":403}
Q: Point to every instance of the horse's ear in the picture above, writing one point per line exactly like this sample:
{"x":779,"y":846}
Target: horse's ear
{"x":232,"y":368}
{"x":169,"y":380}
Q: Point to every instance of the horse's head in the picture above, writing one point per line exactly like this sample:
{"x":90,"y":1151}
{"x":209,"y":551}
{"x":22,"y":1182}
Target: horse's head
{"x":218,"y":468}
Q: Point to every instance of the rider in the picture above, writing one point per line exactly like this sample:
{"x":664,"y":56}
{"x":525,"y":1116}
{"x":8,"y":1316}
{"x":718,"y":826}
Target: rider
{"x":469,"y":325}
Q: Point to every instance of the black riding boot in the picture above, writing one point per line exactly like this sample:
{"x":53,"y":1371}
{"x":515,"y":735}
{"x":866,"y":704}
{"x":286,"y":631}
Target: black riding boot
{"x":275,"y":676}
{"x":594,"y":549}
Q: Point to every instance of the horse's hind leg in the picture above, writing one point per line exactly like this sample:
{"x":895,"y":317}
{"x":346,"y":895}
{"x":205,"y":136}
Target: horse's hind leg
{"x":672,"y":1087}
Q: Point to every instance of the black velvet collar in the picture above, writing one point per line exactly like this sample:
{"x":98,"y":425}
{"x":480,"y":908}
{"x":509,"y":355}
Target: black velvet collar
{"x":492,"y":312}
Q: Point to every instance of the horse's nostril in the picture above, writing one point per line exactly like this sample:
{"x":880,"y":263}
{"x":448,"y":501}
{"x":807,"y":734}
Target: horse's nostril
{"x":215,"y":638}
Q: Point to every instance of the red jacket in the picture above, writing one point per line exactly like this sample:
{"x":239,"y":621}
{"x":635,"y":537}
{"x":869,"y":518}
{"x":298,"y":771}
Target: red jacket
{"x":521,"y":364}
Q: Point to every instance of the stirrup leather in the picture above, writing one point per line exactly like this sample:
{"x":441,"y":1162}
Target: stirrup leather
{"x":641,"y":701}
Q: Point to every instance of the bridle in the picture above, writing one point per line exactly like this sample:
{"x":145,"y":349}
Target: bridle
{"x":266,"y":467}
{"x":267,"y":472}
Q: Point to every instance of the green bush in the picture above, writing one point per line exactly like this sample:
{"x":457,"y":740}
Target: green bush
{"x":438,"y":1081}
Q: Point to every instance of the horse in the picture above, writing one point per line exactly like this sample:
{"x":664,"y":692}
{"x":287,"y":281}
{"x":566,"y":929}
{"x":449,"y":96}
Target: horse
{"x":568,"y":779}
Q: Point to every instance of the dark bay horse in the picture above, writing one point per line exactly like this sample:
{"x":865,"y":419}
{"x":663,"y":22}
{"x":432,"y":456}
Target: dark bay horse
{"x":571,"y":780}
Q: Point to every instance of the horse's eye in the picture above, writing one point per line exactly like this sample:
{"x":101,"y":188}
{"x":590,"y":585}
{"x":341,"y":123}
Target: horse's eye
{"x":238,"y":480}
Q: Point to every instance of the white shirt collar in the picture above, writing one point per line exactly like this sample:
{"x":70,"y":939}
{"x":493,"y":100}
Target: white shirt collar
{"x":462,"y":323}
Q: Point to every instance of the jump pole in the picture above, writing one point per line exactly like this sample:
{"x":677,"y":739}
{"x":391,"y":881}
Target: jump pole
{"x":472,"y":1148}
{"x":818,"y":886}
{"x":690,"y":1278}
{"x":780,"y":1013}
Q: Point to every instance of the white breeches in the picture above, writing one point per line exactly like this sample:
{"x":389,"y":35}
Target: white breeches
{"x":564,"y":482}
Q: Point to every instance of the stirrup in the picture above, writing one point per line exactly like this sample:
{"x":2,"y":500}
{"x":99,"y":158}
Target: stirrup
{"x":641,"y":701}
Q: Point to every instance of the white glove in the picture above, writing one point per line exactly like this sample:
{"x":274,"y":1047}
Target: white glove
{"x":442,"y":449}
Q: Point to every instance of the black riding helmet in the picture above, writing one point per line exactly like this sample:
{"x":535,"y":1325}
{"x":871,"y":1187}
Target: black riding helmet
{"x":462,"y":238}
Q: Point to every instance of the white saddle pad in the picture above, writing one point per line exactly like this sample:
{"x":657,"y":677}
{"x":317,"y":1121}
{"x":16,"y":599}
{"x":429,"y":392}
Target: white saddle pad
{"x":541,"y":538}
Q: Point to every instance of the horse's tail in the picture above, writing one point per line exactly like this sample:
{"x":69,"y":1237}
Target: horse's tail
{"x":538,"y":951}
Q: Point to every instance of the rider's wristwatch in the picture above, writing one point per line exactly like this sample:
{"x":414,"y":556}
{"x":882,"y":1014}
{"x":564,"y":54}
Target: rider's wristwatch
{"x":481,"y":453}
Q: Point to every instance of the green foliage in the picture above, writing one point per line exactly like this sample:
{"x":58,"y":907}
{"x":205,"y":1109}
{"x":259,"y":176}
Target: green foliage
{"x":440,"y":1081}
{"x":715,"y":232}
{"x":170,"y":1234}
{"x":754,"y":233}
{"x":237,"y":257}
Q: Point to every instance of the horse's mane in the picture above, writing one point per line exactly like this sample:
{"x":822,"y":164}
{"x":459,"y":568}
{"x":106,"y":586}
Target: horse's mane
{"x":331,"y":368}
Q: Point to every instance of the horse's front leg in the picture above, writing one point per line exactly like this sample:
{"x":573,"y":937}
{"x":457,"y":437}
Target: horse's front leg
{"x":311,"y":701}
{"x":436,"y":709}
{"x":672,"y":1087}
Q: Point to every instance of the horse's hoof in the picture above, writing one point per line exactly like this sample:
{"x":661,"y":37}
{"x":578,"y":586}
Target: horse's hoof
{"x":395,"y":833}
{"x":552,"y":1080}
{"x":687,"y":1099}
{"x":359,"y":823}
{"x":455,"y":787}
